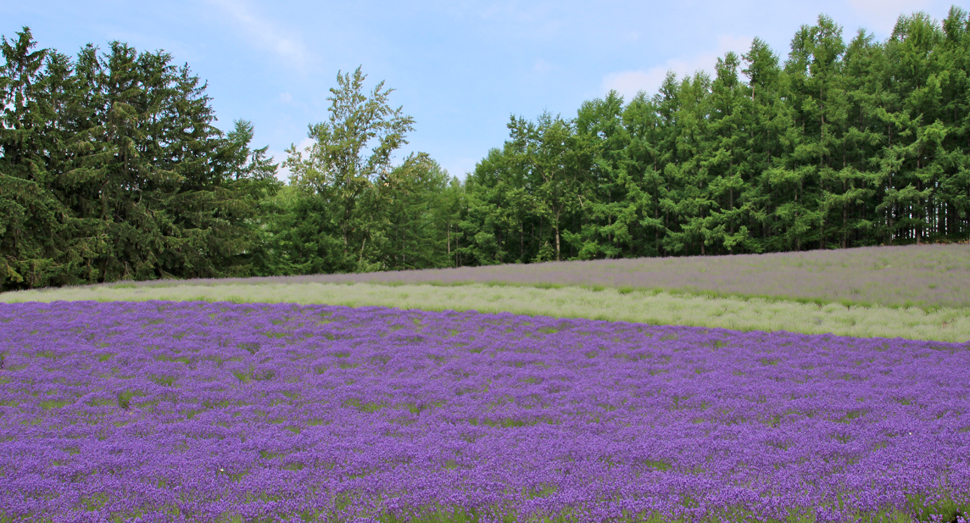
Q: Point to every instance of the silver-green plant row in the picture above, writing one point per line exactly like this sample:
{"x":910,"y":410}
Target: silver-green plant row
{"x":651,"y":307}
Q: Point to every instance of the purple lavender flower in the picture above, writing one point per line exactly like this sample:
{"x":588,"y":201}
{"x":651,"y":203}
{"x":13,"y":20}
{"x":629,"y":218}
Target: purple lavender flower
{"x":164,"y":411}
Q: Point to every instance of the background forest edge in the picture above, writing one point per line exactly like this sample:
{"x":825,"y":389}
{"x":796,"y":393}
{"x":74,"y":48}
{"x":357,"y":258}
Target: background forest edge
{"x":111,"y":168}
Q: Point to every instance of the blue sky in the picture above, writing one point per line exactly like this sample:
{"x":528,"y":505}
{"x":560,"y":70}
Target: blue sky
{"x":460,"y":68}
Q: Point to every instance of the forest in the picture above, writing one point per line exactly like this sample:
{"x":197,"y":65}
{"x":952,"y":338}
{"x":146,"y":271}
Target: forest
{"x":112,"y":168}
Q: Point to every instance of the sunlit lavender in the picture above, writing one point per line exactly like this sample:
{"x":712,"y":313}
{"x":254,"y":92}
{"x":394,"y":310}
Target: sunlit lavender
{"x":161,"y":411}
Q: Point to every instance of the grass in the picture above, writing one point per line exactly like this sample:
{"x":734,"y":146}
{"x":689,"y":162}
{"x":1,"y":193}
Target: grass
{"x":651,"y":307}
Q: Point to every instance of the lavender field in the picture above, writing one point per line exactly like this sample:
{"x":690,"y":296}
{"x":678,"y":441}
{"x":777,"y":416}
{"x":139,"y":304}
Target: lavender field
{"x":163,"y":411}
{"x":926,"y":276}
{"x":654,"y":308}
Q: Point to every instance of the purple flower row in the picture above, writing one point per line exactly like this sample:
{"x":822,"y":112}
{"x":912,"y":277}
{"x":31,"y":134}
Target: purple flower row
{"x":205,"y":412}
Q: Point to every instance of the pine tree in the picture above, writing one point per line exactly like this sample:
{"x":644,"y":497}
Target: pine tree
{"x":609,"y":218}
{"x":644,"y":183}
{"x":953,"y":53}
{"x":726,"y":159}
{"x":32,"y":228}
{"x":111,"y":168}
{"x":912,"y":166}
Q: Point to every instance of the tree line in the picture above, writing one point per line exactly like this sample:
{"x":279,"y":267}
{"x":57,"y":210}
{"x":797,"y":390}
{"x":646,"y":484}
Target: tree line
{"x":111,"y":167}
{"x":843,"y":144}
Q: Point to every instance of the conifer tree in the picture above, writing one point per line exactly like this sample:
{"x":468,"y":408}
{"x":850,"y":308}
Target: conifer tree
{"x":725,"y":161}
{"x":110,"y":168}
{"x":32,"y":220}
{"x":645,"y":183}
{"x":954,"y":190}
{"x":609,"y":219}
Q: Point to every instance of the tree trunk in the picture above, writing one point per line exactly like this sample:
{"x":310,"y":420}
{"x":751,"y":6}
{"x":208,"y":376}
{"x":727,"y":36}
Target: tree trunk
{"x":919,"y":210}
{"x":557,"y":242}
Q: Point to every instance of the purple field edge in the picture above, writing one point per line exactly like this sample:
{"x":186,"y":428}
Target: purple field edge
{"x":925,"y":276}
{"x":220,"y":412}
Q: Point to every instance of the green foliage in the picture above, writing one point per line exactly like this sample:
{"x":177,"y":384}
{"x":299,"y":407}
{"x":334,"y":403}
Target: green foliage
{"x":845,"y":144}
{"x":351,"y":210}
{"x":346,"y":168}
{"x":110,"y":169}
{"x":415,"y":207}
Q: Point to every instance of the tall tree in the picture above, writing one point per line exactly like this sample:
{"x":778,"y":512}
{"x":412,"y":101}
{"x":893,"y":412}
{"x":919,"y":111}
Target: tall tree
{"x":690,"y":232}
{"x":252,"y":179}
{"x":412,"y":201}
{"x":954,"y":191}
{"x":110,"y":167}
{"x":350,"y":156}
{"x":609,"y":217}
{"x":767,"y":139}
{"x":549,"y":150}
{"x":30,"y":229}
{"x":644,"y":182}
{"x":851,"y":179}
{"x":912,"y":161}
{"x":726,"y":159}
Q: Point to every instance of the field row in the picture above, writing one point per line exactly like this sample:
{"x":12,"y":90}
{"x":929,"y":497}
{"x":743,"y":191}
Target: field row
{"x":239,"y":412}
{"x":927,"y":276}
{"x":656,"y":308}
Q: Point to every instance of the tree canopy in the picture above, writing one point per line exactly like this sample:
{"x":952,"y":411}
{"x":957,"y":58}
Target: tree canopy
{"x":111,"y":167}
{"x":843,"y":144}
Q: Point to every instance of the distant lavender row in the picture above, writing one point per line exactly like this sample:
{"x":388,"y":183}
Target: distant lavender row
{"x":927,"y":276}
{"x":205,"y":412}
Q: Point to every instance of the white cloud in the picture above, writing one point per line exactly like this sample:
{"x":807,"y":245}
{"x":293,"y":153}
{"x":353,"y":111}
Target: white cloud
{"x":286,"y":97}
{"x":629,"y":83}
{"x":265,"y":34}
{"x":881,"y":15}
